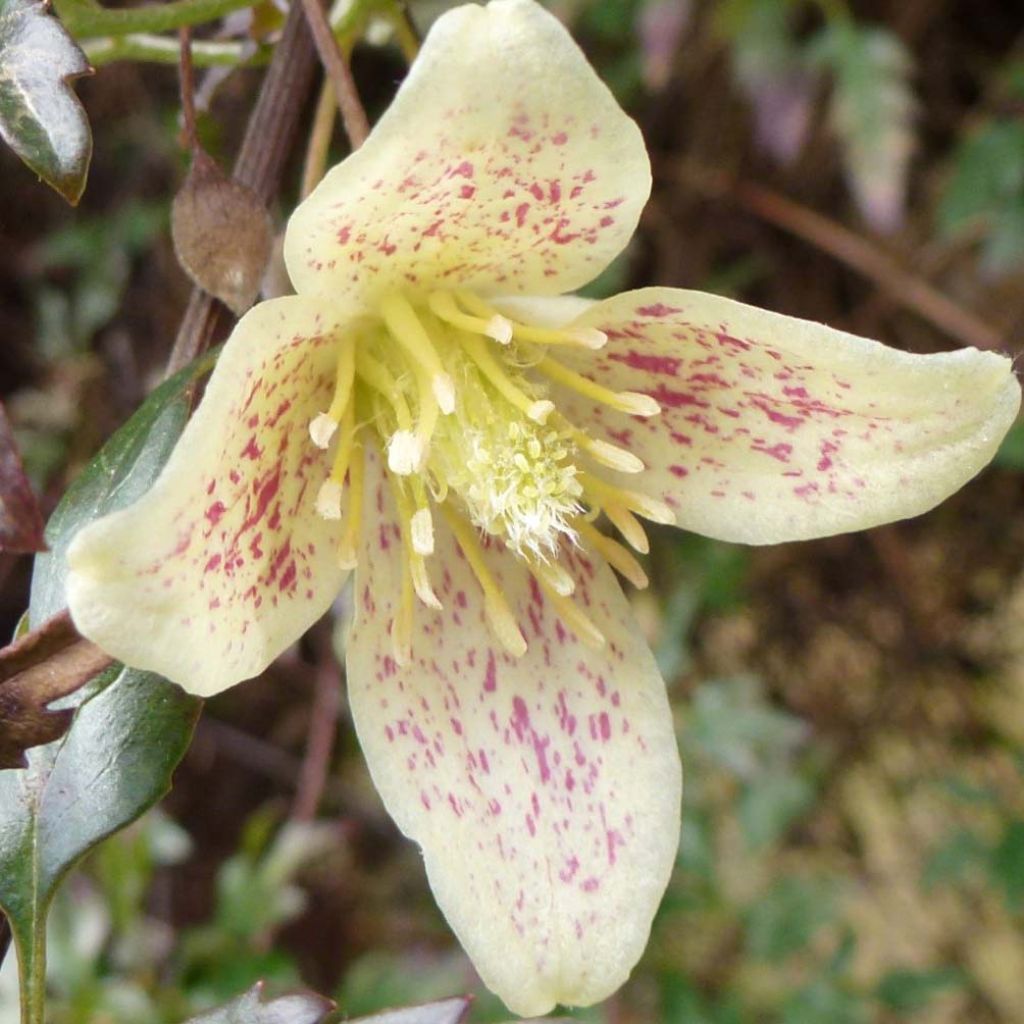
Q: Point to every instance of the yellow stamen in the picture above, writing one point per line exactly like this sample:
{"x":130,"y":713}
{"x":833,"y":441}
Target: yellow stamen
{"x":643,"y":504}
{"x":495,"y":326}
{"x":573,"y":616}
{"x":499,"y":615}
{"x":612,"y":552}
{"x":403,"y":448}
{"x":415,"y":565}
{"x":323,"y":426}
{"x":587,"y":337}
{"x":347,"y":557}
{"x":602,"y":452}
{"x":404,"y":326}
{"x":554,"y":576}
{"x":534,"y":409}
{"x":631,"y":402}
{"x":629,"y":526}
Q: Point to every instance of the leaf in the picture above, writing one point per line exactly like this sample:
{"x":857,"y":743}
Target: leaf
{"x":21,"y":522}
{"x":222,"y":234}
{"x":40,"y":667}
{"x":1007,"y":866}
{"x":906,"y":990}
{"x":770,"y":803}
{"x":130,"y":728}
{"x":443,"y":1011}
{"x":872,"y":113}
{"x":249,"y":1008}
{"x":41,"y":119}
{"x":786,"y":918}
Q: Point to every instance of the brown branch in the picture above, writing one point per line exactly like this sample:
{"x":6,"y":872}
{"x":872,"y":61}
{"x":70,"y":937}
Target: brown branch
{"x":891,"y":277}
{"x":187,"y":83}
{"x":268,"y":141}
{"x":357,"y":127}
{"x":323,"y":727}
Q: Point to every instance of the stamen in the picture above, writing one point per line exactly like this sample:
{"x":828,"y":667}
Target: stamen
{"x":499,"y":615}
{"x":587,"y":337}
{"x":629,"y":526}
{"x":613,"y":553}
{"x":405,"y":327}
{"x":554,"y":576}
{"x":323,"y":426}
{"x":422,"y":531}
{"x":603,"y":452}
{"x":404,"y":452}
{"x":643,"y":504}
{"x":631,"y":402}
{"x":347,"y":557}
{"x":573,"y":616}
{"x":416,"y":568}
{"x":328,"y":499}
{"x":536,"y":410}
{"x":494,"y":325}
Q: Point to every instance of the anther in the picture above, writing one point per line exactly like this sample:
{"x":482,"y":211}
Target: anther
{"x":540,"y":410}
{"x":322,"y":428}
{"x":404,"y":326}
{"x":496,"y":326}
{"x":421,"y":529}
{"x":613,"y":553}
{"x":573,"y":616}
{"x":404,"y":452}
{"x":587,"y":337}
{"x":631,"y":402}
{"x":328,"y":499}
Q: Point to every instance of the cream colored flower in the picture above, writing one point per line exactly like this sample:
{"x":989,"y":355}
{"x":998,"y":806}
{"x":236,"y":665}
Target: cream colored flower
{"x":428,"y":411}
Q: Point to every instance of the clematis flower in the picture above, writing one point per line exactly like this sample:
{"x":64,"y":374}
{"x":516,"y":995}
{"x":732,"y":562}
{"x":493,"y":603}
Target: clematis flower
{"x":431,"y":411}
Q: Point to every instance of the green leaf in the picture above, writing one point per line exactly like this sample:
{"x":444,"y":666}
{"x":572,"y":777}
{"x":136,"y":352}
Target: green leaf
{"x":1007,"y":866}
{"x":770,"y":803}
{"x":906,"y":991}
{"x":40,"y":117}
{"x":249,"y":1008}
{"x":824,"y":1001}
{"x":872,"y":114}
{"x":130,"y":728}
{"x":785,"y":919}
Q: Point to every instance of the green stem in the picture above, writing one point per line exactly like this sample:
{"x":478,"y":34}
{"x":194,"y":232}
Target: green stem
{"x":83,"y":18}
{"x":165,"y":50}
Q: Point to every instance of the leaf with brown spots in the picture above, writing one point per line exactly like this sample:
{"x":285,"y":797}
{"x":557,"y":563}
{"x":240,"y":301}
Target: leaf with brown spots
{"x":222,"y":234}
{"x":48,"y":663}
{"x":21,"y":522}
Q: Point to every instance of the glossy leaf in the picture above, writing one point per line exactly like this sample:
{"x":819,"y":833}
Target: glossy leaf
{"x":41,"y":119}
{"x":21,"y":522}
{"x":130,"y":728}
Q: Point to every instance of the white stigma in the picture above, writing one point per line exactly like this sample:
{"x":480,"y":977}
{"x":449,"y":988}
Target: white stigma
{"x":321,"y":429}
{"x":328,"y":499}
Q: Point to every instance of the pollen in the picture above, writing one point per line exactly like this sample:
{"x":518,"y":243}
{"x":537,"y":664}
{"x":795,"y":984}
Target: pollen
{"x":463,"y":401}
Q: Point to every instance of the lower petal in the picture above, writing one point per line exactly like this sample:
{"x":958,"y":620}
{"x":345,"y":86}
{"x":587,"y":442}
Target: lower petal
{"x":225,"y":562}
{"x":544,"y":790}
{"x":776,"y":429}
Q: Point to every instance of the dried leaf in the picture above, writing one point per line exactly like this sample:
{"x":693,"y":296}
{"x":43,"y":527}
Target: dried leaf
{"x":222,"y":234}
{"x":872,"y":113}
{"x":21,"y":522}
{"x":48,"y":663}
{"x":249,"y":1008}
{"x":444,"y":1011}
{"x":41,"y":119}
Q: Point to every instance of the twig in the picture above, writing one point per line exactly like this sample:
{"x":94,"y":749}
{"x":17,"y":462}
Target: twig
{"x":856,"y":252}
{"x":323,"y":727}
{"x":319,"y":141}
{"x":260,"y":165}
{"x":357,"y":127}
{"x":187,"y":81}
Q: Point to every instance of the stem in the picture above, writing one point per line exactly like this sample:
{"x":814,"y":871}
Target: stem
{"x":187,"y":81}
{"x":155,"y":49}
{"x":84,"y":18}
{"x":357,"y":127}
{"x":260,"y":165}
{"x":319,"y":141}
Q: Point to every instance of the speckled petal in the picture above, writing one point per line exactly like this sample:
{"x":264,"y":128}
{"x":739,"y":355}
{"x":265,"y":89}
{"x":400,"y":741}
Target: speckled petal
{"x":224,"y":562}
{"x":504,"y":164}
{"x":544,"y":791}
{"x":776,"y":429}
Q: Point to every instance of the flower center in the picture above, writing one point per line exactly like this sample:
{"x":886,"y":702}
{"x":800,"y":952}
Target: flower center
{"x":459,"y":398}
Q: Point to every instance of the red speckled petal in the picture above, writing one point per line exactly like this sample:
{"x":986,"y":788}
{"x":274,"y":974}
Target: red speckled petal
{"x":504,"y":165}
{"x":544,"y":791}
{"x":776,"y":429}
{"x":224,"y":562}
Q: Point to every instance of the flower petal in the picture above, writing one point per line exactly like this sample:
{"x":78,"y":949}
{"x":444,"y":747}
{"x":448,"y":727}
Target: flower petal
{"x":544,"y":791}
{"x":224,"y":562}
{"x":776,"y":429}
{"x":503,"y":164}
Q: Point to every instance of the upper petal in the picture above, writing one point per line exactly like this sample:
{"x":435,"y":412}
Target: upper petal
{"x":224,"y":561}
{"x":503,"y":164}
{"x":776,"y":429}
{"x":544,"y":791}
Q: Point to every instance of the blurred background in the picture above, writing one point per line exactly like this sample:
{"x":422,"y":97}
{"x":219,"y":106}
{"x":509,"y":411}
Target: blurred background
{"x":850,"y":711}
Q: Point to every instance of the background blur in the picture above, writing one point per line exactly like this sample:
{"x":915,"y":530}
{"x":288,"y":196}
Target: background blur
{"x":851,"y":711}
